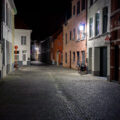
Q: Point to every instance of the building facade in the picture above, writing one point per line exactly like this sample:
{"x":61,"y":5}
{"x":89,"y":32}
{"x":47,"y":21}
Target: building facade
{"x":74,"y":36}
{"x":115,"y":41}
{"x":57,"y":48}
{"x":7,"y":37}
{"x":45,"y":50}
{"x":98,"y":45}
{"x":23,"y":42}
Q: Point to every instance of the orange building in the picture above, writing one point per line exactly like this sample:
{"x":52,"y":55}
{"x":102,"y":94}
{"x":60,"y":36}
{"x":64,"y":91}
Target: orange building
{"x":57,"y":48}
{"x":74,"y":32}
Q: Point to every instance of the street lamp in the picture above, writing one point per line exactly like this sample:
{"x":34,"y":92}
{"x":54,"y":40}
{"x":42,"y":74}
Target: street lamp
{"x":81,"y":27}
{"x":36,"y":48}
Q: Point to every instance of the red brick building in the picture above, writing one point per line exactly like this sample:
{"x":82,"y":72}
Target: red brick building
{"x":74,"y":32}
{"x":57,"y":48}
{"x":115,"y":40}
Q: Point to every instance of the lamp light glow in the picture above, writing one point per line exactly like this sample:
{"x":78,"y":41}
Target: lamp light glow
{"x":81,"y":27}
{"x":36,"y":48}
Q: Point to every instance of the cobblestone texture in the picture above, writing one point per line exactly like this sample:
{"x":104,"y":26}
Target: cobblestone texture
{"x":56,"y":93}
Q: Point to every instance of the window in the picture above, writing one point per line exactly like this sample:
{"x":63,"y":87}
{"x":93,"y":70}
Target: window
{"x":78,"y":34}
{"x":91,"y":27}
{"x":7,"y":15}
{"x":16,"y":52}
{"x":91,"y":2}
{"x":83,"y":57}
{"x":65,"y":57}
{"x":66,"y":38}
{"x":78,"y":58}
{"x":24,"y":57}
{"x":105,"y":19}
{"x":78,"y":7}
{"x":82,"y":31}
{"x":83,"y":4}
{"x":74,"y":34}
{"x":70,"y":35}
{"x":97,"y":23}
{"x":74,"y":10}
{"x":118,"y":3}
{"x":23,"y":40}
{"x":73,"y":56}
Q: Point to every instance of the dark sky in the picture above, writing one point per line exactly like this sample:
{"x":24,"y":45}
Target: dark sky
{"x":43,"y":16}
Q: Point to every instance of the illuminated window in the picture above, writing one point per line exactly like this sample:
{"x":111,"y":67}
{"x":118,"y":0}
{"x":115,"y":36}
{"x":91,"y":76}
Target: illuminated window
{"x":82,"y":31}
{"x":97,"y":23}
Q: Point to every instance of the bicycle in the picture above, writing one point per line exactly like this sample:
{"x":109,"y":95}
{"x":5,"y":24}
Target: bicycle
{"x":82,"y":69}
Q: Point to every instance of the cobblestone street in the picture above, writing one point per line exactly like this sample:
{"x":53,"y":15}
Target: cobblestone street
{"x":56,"y":93}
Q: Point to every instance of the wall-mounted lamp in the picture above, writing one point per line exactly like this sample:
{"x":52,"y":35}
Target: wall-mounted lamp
{"x":81,"y":27}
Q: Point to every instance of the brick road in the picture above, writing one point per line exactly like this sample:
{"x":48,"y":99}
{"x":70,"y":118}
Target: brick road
{"x":55,"y":93}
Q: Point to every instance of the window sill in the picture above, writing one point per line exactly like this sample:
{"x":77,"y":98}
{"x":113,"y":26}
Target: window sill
{"x":100,"y":35}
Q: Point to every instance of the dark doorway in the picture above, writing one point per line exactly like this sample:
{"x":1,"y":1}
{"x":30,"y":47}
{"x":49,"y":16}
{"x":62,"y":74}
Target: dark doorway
{"x":103,"y":61}
{"x":116,"y":63}
{"x":70,"y":59}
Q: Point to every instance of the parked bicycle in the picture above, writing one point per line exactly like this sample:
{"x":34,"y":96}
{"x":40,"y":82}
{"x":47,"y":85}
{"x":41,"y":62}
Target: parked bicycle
{"x":82,"y":69}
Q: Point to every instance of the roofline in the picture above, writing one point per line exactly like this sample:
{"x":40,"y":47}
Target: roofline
{"x":13,"y":6}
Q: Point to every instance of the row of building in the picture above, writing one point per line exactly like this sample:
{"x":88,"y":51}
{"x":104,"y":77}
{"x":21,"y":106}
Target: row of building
{"x":14,"y":43}
{"x":91,"y":37}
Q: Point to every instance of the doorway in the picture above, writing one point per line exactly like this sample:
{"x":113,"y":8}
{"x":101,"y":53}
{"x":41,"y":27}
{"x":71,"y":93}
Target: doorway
{"x":24,"y":56}
{"x":103,"y":61}
{"x":90,"y":60}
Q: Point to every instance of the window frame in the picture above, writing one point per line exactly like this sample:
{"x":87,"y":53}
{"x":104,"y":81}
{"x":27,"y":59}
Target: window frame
{"x":78,"y":7}
{"x":91,"y":27}
{"x":104,"y":28}
{"x":97,"y":23}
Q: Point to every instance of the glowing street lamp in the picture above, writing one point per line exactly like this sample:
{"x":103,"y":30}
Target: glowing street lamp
{"x":81,"y":27}
{"x":36,"y":48}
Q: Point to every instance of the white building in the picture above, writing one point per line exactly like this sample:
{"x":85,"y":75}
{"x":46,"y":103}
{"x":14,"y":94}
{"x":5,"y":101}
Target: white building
{"x":23,"y":41}
{"x":7,"y":37}
{"x":98,"y":30}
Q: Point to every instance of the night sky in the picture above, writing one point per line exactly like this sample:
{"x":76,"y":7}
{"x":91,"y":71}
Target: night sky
{"x":43,"y":17}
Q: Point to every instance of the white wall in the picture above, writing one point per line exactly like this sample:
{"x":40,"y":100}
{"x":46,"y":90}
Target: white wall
{"x":18,"y":34}
{"x":98,"y":41}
